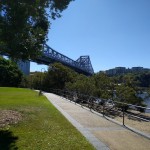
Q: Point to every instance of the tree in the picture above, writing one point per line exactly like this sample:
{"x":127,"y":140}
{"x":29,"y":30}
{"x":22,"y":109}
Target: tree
{"x":82,"y":84}
{"x":24,"y":25}
{"x":127,"y":94}
{"x":10,"y":75}
{"x":58,"y":76}
{"x":144,"y":79}
{"x":103,"y":85}
{"x":36,"y":80}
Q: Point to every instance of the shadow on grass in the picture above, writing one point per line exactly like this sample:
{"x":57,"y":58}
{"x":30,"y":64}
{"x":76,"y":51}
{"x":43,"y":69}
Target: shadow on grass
{"x":7,"y":140}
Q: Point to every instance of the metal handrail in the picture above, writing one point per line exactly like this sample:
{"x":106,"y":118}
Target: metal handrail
{"x":89,"y":102}
{"x":127,"y":104}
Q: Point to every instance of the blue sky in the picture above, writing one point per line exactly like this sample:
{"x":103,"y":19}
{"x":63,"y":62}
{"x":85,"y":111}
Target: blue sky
{"x":112,"y":32}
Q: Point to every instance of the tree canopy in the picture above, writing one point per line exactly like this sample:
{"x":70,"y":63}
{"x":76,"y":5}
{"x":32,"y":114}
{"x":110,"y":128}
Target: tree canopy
{"x":24,"y":25}
{"x":58,"y":76}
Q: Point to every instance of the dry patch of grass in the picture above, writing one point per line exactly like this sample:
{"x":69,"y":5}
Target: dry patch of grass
{"x":8,"y":117}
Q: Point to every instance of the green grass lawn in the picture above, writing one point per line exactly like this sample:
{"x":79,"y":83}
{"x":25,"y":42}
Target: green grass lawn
{"x":42,"y":127}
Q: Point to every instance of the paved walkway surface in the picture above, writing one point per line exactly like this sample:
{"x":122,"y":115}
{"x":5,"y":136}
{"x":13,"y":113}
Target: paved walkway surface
{"x":102,"y":133}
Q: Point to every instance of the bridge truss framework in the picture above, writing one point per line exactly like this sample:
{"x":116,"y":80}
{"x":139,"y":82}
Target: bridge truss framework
{"x":81,"y":65}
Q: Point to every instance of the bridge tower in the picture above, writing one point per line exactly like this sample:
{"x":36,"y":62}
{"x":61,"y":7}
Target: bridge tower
{"x":24,"y":66}
{"x":85,"y":63}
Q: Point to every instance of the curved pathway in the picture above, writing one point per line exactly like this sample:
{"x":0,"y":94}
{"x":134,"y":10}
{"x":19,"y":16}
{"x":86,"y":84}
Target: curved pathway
{"x":99,"y":131}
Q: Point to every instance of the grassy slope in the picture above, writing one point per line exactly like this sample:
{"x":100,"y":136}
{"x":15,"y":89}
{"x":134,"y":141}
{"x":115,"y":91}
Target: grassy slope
{"x":42,"y":127}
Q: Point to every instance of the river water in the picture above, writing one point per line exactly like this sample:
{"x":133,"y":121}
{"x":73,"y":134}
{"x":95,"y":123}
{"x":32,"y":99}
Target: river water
{"x":147,"y":102}
{"x":145,"y":96}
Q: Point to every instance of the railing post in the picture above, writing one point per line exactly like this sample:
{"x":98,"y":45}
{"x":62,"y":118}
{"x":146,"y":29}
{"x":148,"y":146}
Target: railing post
{"x":70,"y":96}
{"x":103,"y":109}
{"x":123,"y":114}
{"x":90,"y":105}
{"x":64,"y":94}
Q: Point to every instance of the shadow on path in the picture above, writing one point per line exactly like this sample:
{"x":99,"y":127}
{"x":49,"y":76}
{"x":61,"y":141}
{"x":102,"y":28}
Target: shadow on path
{"x":7,"y":140}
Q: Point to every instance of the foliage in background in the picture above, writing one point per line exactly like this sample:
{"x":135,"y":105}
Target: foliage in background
{"x":135,"y":79}
{"x":144,"y":79}
{"x":127,"y":94}
{"x":10,"y":75}
{"x":121,"y":88}
{"x":102,"y":84}
{"x":82,"y":84}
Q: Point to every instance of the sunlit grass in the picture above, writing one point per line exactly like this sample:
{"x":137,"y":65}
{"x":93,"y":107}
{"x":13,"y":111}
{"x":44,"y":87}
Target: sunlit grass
{"x":42,"y":126}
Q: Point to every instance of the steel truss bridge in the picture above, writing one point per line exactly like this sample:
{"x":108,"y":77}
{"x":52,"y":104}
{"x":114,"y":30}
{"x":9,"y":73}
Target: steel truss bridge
{"x":81,"y":65}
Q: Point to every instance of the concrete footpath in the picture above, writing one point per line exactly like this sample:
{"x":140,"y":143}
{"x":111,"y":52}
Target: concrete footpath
{"x":100,"y":132}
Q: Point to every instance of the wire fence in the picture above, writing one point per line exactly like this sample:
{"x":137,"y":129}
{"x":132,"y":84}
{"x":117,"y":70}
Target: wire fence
{"x":127,"y":114}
